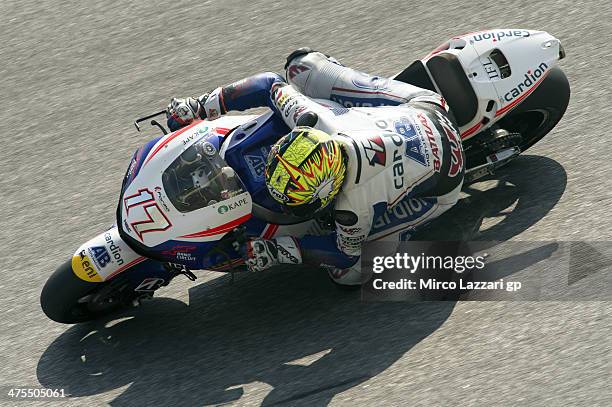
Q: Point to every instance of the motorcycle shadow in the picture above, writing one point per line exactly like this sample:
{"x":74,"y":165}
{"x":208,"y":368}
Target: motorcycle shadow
{"x":230,"y":335}
{"x":289,"y":329}
{"x":501,"y":206}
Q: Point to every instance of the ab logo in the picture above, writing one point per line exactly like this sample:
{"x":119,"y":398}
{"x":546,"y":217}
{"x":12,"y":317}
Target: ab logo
{"x":257,"y":166}
{"x":101,"y":255}
{"x":415,"y":148}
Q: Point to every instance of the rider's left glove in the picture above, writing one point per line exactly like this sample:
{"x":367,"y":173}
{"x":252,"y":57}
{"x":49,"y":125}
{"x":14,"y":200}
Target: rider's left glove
{"x":181,"y":112}
{"x":262,"y":254}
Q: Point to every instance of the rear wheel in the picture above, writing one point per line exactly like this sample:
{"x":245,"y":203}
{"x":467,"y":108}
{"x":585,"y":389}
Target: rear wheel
{"x":68,"y":299}
{"x":535,"y":117}
{"x":541,"y":111}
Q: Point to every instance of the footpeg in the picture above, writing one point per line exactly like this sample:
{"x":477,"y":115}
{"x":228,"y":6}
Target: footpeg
{"x":178,"y":268}
{"x":494,"y":161}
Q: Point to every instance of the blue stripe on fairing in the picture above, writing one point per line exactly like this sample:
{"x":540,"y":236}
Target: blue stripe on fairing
{"x":140,"y":154}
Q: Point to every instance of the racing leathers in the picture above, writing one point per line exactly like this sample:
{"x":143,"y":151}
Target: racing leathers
{"x":405,"y":162}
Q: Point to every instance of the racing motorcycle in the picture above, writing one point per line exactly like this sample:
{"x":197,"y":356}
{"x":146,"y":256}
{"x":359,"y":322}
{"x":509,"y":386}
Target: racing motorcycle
{"x":503,"y":86}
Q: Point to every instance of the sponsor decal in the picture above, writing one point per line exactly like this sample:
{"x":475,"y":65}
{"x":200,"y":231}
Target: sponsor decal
{"x":236,"y":89}
{"x":285,"y":101}
{"x":339,"y":111}
{"x":350,"y":231}
{"x":455,"y":145}
{"x":231,"y":206}
{"x":282,"y":250}
{"x":490,"y":68}
{"x":435,"y":150}
{"x":132,"y":167}
{"x":257,"y":164}
{"x":115,"y":250}
{"x":398,"y":162}
{"x":185,"y":256}
{"x":150,"y":284}
{"x":160,"y":198}
{"x":406,"y":210}
{"x":530,"y":78}
{"x":353,"y":239}
{"x":84,"y":269}
{"x":100,"y":256}
{"x":278,"y":195}
{"x":295,"y":70}
{"x":291,"y":103}
{"x":398,"y":170}
{"x":182,"y":253}
{"x":189,"y":138}
{"x":173,"y":251}
{"x":499,"y":35}
{"x":201,"y":131}
{"x":375,"y":150}
{"x":350,"y":244}
{"x":349,"y":102}
{"x":415,"y":144}
{"x":280,"y":98}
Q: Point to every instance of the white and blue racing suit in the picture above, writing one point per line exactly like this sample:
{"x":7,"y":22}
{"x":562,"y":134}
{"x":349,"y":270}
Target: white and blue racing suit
{"x":405,"y":158}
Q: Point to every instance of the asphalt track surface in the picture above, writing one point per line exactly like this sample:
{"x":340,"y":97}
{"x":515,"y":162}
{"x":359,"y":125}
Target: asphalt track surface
{"x":74,"y":75}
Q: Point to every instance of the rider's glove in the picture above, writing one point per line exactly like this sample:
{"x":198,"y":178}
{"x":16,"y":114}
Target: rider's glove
{"x":262,"y":254}
{"x":181,"y":112}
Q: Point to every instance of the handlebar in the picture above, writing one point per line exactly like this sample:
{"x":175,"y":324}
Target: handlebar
{"x":153,"y":122}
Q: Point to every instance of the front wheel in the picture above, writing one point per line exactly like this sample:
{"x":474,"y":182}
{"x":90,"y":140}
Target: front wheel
{"x":67,"y":299}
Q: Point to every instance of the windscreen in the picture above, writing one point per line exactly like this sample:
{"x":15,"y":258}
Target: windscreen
{"x":199,"y":177}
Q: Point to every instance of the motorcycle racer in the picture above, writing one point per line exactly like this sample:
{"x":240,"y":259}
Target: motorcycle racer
{"x":360,"y":145}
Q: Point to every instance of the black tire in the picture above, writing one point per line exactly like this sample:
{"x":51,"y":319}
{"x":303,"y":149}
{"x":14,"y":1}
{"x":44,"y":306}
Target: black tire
{"x":541,"y":111}
{"x":535,"y":117}
{"x":60,"y":297}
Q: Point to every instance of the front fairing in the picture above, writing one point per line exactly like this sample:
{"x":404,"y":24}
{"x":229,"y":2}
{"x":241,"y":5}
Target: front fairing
{"x":152,"y":225}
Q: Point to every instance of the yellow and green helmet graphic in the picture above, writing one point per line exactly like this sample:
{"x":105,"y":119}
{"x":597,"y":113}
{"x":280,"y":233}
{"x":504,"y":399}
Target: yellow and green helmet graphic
{"x":305,"y":168}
